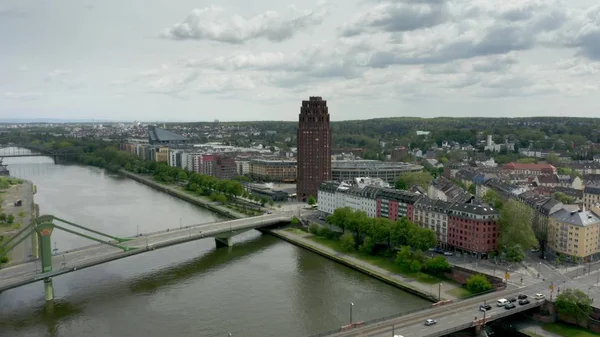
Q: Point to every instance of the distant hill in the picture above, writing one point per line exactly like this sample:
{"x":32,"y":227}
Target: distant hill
{"x":48,"y":121}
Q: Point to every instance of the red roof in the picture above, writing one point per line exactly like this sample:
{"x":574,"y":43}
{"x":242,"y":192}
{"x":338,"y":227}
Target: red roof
{"x":531,"y":167}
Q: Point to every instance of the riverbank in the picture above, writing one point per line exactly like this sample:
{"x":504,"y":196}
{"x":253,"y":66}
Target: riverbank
{"x":18,"y":209}
{"x":180,"y":193}
{"x":429,"y":291}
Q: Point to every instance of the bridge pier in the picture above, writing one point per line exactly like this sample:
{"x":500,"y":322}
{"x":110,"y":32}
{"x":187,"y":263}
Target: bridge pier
{"x":48,"y":289}
{"x":223,"y":242}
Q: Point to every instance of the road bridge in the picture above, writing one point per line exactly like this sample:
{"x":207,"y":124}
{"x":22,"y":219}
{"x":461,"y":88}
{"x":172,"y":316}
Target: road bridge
{"x":460,"y":315}
{"x":115,"y":248}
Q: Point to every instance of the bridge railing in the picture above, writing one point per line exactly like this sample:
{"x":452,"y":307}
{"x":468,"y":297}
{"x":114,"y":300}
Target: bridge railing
{"x":450,"y":330}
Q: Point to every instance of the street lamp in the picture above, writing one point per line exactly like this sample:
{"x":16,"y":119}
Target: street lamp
{"x":351,"y":306}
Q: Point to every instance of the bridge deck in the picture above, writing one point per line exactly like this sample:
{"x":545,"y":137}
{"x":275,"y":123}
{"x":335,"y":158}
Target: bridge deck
{"x":25,"y":273}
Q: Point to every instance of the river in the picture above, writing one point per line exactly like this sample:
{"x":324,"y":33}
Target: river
{"x":260,"y":287}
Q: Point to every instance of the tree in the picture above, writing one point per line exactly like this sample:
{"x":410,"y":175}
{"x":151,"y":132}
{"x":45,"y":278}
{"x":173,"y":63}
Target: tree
{"x":515,"y":226}
{"x":553,"y":158}
{"x":491,"y":197}
{"x":347,"y":242}
{"x":410,"y":179}
{"x":313,"y":228}
{"x":472,"y":189}
{"x":438,"y":265}
{"x":574,"y":303}
{"x":295,"y":221}
{"x":10,"y":218}
{"x":409,"y":261}
{"x":312,"y":200}
{"x":526,"y":161}
{"x":560,"y":196}
{"x":478,"y":283}
{"x":367,"y":246}
{"x":514,"y":253}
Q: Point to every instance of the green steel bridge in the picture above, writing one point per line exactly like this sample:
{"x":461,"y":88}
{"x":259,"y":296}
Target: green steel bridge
{"x":109,"y":247}
{"x":15,"y":150}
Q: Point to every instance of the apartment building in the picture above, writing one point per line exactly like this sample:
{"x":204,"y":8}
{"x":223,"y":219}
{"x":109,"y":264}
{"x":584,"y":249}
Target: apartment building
{"x":433,"y":214}
{"x":591,"y":196}
{"x":473,"y":228}
{"x":574,"y":233}
{"x":529,"y":169}
{"x":273,"y":170}
{"x":373,"y":200}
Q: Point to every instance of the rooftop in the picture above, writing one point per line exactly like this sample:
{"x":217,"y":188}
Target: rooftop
{"x":373,"y":164}
{"x":473,"y":209}
{"x":161,"y":135}
{"x":580,"y":218}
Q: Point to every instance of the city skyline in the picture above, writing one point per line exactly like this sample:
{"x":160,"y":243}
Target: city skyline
{"x":194,"y":61}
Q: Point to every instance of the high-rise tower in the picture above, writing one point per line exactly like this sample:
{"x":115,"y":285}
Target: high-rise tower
{"x":314,"y":147}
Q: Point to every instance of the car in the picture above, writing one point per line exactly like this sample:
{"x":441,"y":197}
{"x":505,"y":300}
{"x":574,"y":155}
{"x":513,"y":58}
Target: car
{"x":502,"y":302}
{"x":511,"y":299}
{"x":509,"y":306}
{"x":522,"y":296}
{"x":535,"y":250}
{"x":448,"y":253}
{"x":430,"y":321}
{"x":398,"y":336}
{"x":539,"y":296}
{"x":523,"y":301}
{"x":485,"y":307}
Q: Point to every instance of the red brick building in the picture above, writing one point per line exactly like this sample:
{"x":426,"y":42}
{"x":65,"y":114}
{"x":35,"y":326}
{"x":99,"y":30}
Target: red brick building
{"x":216,"y":165}
{"x":314,"y":148}
{"x":394,"y":204}
{"x":531,"y":169}
{"x":473,"y":228}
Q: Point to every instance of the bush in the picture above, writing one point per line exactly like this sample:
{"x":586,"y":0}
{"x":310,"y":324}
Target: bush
{"x":367,"y":246}
{"x":326,"y":233}
{"x":438,"y":265}
{"x":478,"y":283}
{"x":295,"y":221}
{"x":347,"y":241}
{"x":4,"y":259}
{"x":313,"y":228}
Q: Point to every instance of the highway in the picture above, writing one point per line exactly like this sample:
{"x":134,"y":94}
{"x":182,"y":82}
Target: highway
{"x":25,"y":273}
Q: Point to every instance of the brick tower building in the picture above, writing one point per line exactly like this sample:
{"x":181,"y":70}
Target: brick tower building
{"x":314,"y":148}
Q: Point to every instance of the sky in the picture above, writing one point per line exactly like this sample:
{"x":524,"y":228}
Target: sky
{"x":184,"y":60}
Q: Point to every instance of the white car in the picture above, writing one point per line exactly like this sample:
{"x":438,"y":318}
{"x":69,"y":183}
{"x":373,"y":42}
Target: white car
{"x":430,"y":321}
{"x":539,"y":296}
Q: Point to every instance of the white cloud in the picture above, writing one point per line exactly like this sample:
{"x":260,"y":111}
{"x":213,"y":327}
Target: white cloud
{"x":258,"y":60}
{"x":22,"y":95}
{"x":212,"y":23}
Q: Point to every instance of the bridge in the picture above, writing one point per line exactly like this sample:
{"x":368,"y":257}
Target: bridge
{"x":12,"y":150}
{"x":465,"y":314}
{"x":110,"y":247}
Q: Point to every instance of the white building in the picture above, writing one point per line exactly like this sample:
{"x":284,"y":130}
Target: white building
{"x":333,"y":195}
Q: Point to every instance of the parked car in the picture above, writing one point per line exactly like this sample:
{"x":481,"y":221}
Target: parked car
{"x":522,"y":296}
{"x":502,"y":302}
{"x":448,"y":253}
{"x":485,"y":307}
{"x":509,"y":306}
{"x":430,"y":321}
{"x":512,"y":299}
{"x":524,"y":301}
{"x":539,"y":296}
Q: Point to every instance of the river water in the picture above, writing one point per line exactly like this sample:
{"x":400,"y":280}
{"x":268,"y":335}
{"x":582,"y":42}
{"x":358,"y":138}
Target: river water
{"x":260,"y":287}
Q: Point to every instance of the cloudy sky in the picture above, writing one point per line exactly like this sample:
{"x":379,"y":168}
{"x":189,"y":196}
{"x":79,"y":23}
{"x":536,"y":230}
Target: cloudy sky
{"x":199,"y":60}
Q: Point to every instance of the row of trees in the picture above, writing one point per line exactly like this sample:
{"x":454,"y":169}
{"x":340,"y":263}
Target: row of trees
{"x":381,"y":230}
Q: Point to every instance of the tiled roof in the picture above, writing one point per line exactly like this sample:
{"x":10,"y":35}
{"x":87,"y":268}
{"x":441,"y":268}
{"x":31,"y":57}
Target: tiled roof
{"x":532,"y":167}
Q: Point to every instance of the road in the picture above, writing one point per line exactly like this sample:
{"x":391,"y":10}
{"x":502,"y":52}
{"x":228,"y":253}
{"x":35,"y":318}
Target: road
{"x":28,"y":272}
{"x":462,"y":313}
